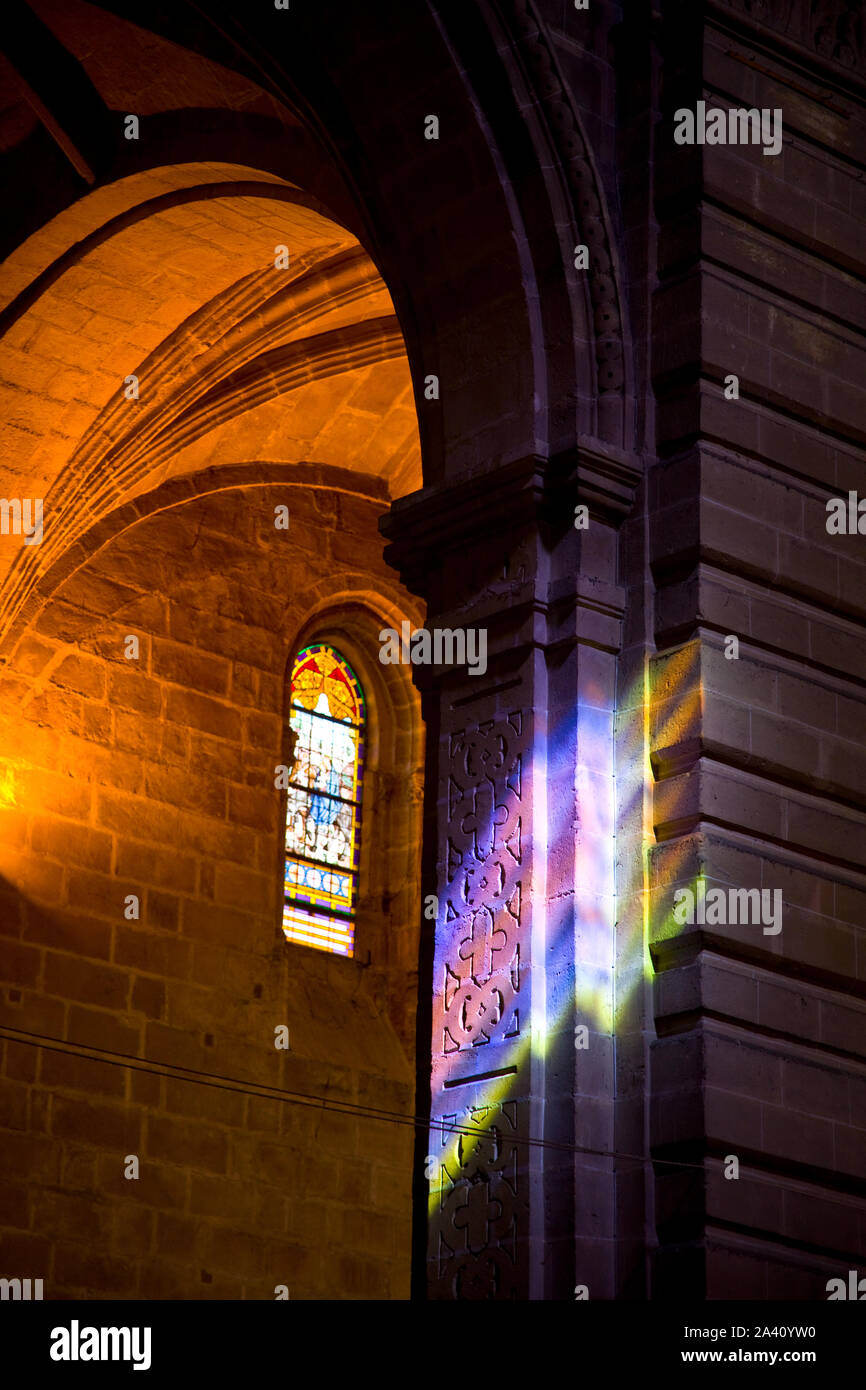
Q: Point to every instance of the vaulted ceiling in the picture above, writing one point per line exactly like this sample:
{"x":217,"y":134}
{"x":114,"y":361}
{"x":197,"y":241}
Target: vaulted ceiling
{"x":173,"y":275}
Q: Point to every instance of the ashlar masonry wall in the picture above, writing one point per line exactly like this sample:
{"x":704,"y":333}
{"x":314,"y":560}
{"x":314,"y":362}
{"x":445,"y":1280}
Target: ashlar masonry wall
{"x":757,"y":736}
{"x":154,"y":777}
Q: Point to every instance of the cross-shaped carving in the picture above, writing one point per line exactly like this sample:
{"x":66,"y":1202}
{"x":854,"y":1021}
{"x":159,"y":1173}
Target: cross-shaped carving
{"x":483,"y":1148}
{"x":476,"y":1214}
{"x":483,"y":753}
{"x":483,"y":819}
{"x":481,"y":944}
{"x":481,"y":1011}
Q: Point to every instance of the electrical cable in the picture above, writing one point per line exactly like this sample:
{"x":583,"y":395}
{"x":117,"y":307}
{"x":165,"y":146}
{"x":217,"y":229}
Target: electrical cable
{"x":262,"y":1091}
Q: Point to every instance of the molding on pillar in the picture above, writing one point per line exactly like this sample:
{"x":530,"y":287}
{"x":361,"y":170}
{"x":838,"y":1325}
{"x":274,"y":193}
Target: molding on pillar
{"x":530,"y":491}
{"x":568,"y":139}
{"x":450,"y":516}
{"x":607,"y":479}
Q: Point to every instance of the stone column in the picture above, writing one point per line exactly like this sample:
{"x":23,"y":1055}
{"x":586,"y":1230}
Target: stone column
{"x":519,"y":857}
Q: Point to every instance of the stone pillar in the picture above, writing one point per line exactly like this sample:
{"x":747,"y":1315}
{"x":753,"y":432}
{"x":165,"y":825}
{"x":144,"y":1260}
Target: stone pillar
{"x":519,"y":856}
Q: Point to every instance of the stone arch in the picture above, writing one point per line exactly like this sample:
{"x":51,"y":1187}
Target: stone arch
{"x":150,"y":783}
{"x":475,"y":267}
{"x":578,"y":197}
{"x":66,"y":682}
{"x":203,"y":359}
{"x":175,"y":492}
{"x":357,"y":144}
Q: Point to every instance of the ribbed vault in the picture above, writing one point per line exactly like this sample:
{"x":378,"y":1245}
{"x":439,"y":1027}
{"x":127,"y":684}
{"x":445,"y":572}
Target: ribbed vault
{"x":170,"y":276}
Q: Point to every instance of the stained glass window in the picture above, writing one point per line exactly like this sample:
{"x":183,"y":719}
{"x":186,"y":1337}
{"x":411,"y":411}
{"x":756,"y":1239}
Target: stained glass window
{"x":323,"y":815}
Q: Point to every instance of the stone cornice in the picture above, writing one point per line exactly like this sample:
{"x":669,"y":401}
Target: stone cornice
{"x":605,"y":479}
{"x":446,"y":517}
{"x":427,"y":528}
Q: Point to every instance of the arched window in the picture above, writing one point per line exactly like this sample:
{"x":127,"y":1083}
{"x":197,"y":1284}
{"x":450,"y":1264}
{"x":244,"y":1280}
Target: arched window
{"x":323,"y":814}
